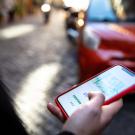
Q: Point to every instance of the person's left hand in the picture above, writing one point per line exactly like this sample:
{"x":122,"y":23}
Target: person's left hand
{"x":56,"y":112}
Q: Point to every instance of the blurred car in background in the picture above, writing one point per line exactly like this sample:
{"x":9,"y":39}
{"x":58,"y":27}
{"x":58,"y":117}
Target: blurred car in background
{"x":70,"y":24}
{"x":107,"y":37}
{"x":74,"y":16}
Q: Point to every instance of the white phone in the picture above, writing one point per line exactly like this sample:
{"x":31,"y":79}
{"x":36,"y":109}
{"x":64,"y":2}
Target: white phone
{"x":113,"y":83}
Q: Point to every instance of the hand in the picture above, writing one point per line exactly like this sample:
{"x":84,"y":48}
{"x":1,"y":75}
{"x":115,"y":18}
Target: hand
{"x":91,"y":118}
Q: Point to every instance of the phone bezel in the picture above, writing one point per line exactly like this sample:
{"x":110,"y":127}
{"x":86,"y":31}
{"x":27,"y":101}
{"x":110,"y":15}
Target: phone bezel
{"x":114,"y":98}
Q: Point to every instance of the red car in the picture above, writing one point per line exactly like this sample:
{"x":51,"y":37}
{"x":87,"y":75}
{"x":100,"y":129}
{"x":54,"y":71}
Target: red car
{"x":107,"y":37}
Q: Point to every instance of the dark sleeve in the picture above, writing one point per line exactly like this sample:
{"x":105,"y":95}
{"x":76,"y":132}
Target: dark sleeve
{"x":65,"y":133}
{"x":10,"y":123}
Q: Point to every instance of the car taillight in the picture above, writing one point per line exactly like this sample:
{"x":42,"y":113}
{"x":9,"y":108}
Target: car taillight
{"x":90,"y":39}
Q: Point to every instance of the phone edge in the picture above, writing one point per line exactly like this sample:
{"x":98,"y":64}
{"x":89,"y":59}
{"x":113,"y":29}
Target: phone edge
{"x":115,"y":98}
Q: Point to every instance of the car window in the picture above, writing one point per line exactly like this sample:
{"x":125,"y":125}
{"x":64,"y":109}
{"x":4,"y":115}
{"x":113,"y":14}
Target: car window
{"x":111,"y":10}
{"x":101,"y":10}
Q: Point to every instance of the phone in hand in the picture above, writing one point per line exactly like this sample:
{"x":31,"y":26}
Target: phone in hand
{"x":114,"y":83}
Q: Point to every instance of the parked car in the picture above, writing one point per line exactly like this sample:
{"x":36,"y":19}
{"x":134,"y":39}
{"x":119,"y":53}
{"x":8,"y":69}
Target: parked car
{"x":107,"y":37}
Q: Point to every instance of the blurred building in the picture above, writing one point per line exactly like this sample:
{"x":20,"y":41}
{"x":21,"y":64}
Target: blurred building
{"x":6,"y":6}
{"x":124,"y":8}
{"x":10,"y":9}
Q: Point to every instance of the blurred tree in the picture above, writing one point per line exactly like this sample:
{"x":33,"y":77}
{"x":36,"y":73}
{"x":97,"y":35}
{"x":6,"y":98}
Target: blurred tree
{"x":20,"y":8}
{"x":23,"y":7}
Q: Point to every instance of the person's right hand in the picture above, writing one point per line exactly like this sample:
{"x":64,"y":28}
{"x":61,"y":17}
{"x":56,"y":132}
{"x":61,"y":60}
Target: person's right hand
{"x":91,"y":118}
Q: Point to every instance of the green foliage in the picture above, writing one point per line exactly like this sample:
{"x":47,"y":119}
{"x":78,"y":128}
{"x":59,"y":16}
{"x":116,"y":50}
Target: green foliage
{"x":20,"y":8}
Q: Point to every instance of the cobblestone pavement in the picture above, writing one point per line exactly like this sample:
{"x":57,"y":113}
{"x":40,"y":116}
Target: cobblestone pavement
{"x":37,"y":66}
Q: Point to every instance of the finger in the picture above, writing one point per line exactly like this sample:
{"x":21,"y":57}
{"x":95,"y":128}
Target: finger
{"x":108,"y":111}
{"x":96,"y":99}
{"x":55,"y":111}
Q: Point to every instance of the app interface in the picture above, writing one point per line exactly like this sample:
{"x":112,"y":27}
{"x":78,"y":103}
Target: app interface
{"x":109,"y":83}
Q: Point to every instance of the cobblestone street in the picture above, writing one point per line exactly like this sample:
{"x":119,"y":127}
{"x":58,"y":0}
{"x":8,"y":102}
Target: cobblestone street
{"x":36,"y":67}
{"x":39,"y":65}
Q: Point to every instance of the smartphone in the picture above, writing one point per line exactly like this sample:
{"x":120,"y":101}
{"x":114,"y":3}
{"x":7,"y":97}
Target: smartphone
{"x":114,"y":83}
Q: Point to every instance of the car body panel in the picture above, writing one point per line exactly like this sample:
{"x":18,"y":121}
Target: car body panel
{"x":117,"y":46}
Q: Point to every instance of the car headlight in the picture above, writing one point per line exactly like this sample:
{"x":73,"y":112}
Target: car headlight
{"x":90,"y":39}
{"x":80,"y":22}
{"x":45,"y":7}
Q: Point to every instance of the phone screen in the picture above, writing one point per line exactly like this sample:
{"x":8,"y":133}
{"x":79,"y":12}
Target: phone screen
{"x":110,"y":83}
